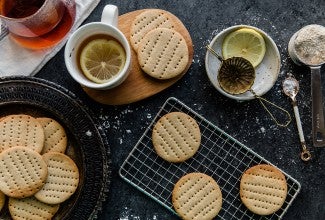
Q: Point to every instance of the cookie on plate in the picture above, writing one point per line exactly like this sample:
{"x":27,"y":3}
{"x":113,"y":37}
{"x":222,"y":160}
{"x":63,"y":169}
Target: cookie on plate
{"x":263,"y":189}
{"x":2,"y":200}
{"x":147,"y":21}
{"x":55,"y":136}
{"x":163,"y":53}
{"x":23,"y":172}
{"x":176,"y":137}
{"x":197,"y":196}
{"x":31,"y":208}
{"x":62,"y":180}
{"x":21,"y":130}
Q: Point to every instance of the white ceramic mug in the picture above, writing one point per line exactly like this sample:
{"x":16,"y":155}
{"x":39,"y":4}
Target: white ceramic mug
{"x":107,"y":26}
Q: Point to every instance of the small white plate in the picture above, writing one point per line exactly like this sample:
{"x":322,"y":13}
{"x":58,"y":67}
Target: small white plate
{"x":266,"y":72}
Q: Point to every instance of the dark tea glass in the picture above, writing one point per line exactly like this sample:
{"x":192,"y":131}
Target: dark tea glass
{"x":37,"y":23}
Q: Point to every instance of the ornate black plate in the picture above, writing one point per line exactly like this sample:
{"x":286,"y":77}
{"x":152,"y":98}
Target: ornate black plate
{"x":87,"y":141}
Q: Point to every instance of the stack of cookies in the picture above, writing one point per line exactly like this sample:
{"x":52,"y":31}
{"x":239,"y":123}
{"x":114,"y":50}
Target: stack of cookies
{"x":35,"y":174}
{"x":162,"y":51}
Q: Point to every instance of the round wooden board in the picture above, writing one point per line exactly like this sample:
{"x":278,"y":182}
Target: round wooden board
{"x":139,"y":85}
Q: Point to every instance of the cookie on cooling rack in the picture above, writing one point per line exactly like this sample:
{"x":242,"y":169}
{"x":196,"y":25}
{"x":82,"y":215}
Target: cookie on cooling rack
{"x":176,"y":137}
{"x":263,"y":189}
{"x":197,"y":196}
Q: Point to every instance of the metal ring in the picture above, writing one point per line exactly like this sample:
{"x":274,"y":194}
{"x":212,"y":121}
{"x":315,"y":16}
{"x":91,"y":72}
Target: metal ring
{"x":305,"y":155}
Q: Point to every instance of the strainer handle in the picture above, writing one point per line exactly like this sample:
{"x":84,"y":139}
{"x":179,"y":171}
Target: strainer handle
{"x":264,"y":101}
{"x":318,"y":129}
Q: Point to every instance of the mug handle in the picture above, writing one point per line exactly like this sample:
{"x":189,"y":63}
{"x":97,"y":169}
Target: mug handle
{"x":110,"y":15}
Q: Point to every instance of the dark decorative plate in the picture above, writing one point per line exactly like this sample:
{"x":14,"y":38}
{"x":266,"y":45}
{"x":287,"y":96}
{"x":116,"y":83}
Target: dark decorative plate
{"x":87,"y":142}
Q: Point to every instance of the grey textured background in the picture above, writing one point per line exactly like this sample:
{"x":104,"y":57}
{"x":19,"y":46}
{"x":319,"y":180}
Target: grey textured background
{"x":247,"y":122}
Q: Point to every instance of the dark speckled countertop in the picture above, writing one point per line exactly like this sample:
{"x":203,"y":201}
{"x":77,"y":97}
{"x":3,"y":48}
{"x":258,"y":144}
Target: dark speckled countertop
{"x":246,"y":121}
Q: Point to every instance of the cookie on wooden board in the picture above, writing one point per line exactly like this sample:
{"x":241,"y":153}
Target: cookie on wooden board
{"x":263,"y":189}
{"x":147,"y":21}
{"x":197,"y":196}
{"x":163,"y":53}
{"x":176,"y":137}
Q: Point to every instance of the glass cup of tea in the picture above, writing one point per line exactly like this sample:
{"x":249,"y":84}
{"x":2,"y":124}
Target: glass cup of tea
{"x":94,"y":32}
{"x":37,"y":24}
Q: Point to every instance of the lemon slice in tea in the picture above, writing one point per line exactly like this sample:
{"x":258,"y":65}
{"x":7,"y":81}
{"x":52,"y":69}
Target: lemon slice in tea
{"x":246,"y":43}
{"x":102,"y":59}
{"x":236,"y":75}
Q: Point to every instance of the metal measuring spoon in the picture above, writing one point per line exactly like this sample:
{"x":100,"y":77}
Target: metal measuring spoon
{"x":291,"y":87}
{"x":318,"y":126}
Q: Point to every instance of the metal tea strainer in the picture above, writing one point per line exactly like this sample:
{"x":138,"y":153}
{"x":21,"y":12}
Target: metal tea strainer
{"x":236,"y":75}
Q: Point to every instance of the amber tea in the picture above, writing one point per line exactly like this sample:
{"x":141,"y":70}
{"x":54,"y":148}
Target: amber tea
{"x":20,"y":8}
{"x":100,"y":57}
{"x":37,"y":24}
{"x":91,"y":38}
{"x":107,"y":62}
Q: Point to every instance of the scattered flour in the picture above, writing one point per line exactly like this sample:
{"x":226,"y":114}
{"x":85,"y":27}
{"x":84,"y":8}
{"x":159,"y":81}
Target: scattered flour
{"x":127,"y":215}
{"x":89,"y":133}
{"x":109,"y":123}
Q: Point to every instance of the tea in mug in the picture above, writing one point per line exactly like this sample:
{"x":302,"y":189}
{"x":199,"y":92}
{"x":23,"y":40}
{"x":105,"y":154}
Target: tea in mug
{"x":101,"y":58}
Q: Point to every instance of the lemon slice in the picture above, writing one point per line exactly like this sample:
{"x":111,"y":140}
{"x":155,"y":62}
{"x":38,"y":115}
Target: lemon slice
{"x":246,"y":43}
{"x":102,"y":59}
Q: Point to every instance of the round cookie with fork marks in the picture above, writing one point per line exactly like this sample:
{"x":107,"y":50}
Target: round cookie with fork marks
{"x":176,"y":137}
{"x":23,"y":172}
{"x":31,"y":208}
{"x":147,"y":21}
{"x":62,"y":180}
{"x":197,"y":196}
{"x":55,"y":136}
{"x":263,"y":189}
{"x":2,"y":200}
{"x":21,"y":130}
{"x":163,"y":53}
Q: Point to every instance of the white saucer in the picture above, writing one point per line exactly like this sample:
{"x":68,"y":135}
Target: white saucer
{"x":266,"y":72}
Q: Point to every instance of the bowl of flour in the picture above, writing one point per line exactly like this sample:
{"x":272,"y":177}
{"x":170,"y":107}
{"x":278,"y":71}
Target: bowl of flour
{"x":307,"y":46}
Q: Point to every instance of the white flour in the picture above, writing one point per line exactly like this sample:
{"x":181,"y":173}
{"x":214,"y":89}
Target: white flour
{"x":310,"y":44}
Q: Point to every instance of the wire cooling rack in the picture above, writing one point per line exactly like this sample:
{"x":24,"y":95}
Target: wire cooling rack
{"x":220,"y":156}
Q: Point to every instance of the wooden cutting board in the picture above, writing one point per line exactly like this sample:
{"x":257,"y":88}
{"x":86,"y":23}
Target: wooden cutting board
{"x":139,"y":85}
